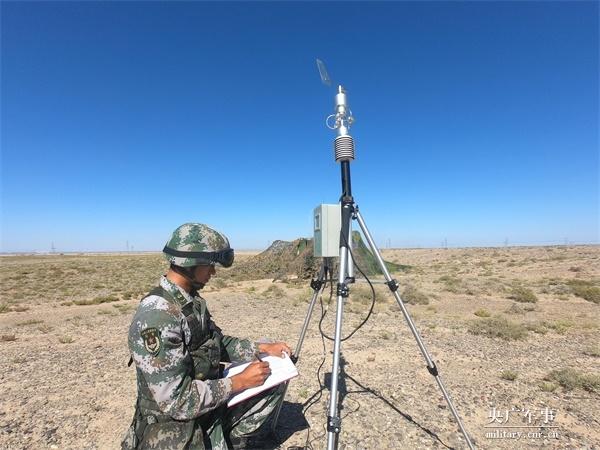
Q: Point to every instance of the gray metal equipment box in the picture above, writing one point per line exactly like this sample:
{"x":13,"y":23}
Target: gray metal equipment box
{"x":327,"y":223}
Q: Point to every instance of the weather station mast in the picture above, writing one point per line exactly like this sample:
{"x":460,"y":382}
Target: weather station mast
{"x":341,"y":121}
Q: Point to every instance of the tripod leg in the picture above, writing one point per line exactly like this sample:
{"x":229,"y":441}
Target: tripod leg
{"x":317,"y":286}
{"x":431,"y":367}
{"x":333,"y":420}
{"x":334,"y":423}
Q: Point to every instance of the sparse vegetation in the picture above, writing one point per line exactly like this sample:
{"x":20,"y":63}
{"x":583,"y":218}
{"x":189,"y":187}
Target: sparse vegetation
{"x":30,"y":322}
{"x":21,"y":277}
{"x":128,"y":295}
{"x":44,"y":328}
{"x":360,"y":294}
{"x":586,"y":290}
{"x":303,"y":392}
{"x":66,"y":339}
{"x":536,"y":327}
{"x":413,"y":296}
{"x":467,"y":327}
{"x":592,"y":351}
{"x":509,"y":375}
{"x":273,"y":291}
{"x":124,"y":308}
{"x":386,"y":335}
{"x":548,"y":386}
{"x":482,"y":313}
{"x":522,"y":295}
{"x":218,"y":283}
{"x":4,"y":308}
{"x":542,"y":327}
{"x":515,"y":309}
{"x":451,"y":283}
{"x":97,"y":300}
{"x":498,"y":327}
{"x":560,"y":326}
{"x":570,"y":379}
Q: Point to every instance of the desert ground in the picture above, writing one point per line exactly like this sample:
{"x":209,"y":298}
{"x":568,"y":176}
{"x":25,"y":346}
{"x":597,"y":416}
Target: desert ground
{"x":514,"y":332}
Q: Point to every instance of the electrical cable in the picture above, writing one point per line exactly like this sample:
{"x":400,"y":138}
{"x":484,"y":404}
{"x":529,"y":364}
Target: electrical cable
{"x":312,"y":400}
{"x":317,"y":395}
{"x":372,"y":301}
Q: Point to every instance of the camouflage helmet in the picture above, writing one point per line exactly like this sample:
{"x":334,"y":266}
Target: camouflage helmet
{"x":195,"y":244}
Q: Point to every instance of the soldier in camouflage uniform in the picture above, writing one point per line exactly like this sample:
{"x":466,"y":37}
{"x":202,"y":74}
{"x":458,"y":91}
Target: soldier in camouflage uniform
{"x":177,"y":350}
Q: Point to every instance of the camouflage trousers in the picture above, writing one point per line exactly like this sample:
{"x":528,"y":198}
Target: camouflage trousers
{"x":243,"y":419}
{"x":213,"y":431}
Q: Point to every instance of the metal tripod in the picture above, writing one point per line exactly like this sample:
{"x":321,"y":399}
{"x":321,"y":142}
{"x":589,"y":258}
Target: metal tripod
{"x":333,"y":420}
{"x":341,"y":121}
{"x":350,"y":212}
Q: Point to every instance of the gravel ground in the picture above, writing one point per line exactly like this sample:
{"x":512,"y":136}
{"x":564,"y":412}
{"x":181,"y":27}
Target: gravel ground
{"x":64,"y":380}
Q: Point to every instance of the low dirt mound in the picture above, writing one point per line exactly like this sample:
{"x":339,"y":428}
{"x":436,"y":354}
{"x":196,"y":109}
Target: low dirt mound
{"x":285,"y":260}
{"x":282,"y":260}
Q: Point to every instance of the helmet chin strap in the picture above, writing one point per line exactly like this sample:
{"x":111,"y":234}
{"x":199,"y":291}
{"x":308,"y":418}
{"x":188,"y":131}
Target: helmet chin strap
{"x":187,"y":273}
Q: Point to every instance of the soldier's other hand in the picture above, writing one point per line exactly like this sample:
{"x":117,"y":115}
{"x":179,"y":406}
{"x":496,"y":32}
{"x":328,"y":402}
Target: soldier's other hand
{"x":254,"y":375}
{"x":275,"y":349}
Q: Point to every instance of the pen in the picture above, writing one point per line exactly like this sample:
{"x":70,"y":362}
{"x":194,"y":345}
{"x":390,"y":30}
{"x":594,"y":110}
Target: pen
{"x":257,"y":354}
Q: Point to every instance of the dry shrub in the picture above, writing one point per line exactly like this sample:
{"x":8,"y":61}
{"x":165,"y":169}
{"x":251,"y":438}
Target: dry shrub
{"x":97,"y":300}
{"x":482,"y":313}
{"x":548,"y":386}
{"x":586,"y":290}
{"x":592,"y":351}
{"x":273,"y":291}
{"x":498,"y":327}
{"x":124,"y":308}
{"x":45,"y":328}
{"x":451,"y":283}
{"x":218,"y":283}
{"x":413,"y":296}
{"x":515,"y":309}
{"x":522,"y":295}
{"x":571,"y":379}
{"x":360,"y":294}
{"x":509,"y":375}
{"x":560,"y":326}
{"x":537,"y":327}
{"x":30,"y":322}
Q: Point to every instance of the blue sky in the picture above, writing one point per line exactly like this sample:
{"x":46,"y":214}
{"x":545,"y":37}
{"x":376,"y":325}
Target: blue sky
{"x":476,"y":122}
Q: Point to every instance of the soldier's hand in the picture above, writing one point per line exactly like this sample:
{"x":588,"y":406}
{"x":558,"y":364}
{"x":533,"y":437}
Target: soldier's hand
{"x":275,"y":348}
{"x":254,"y":375}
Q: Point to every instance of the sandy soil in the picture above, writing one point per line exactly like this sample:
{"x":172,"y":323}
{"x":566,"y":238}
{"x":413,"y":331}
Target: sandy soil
{"x":64,"y":380}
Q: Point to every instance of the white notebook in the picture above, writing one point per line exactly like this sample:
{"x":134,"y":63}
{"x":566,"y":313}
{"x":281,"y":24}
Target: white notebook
{"x":282,"y":370}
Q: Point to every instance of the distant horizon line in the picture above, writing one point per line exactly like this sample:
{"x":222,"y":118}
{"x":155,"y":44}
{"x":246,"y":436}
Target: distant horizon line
{"x":256,"y":250}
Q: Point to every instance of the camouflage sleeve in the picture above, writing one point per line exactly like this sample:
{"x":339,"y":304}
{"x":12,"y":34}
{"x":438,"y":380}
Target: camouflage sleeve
{"x":239,"y":349}
{"x":157,"y":347}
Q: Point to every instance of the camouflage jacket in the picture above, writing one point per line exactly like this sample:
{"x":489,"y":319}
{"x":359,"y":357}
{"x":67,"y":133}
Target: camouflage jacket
{"x":159,"y":337}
